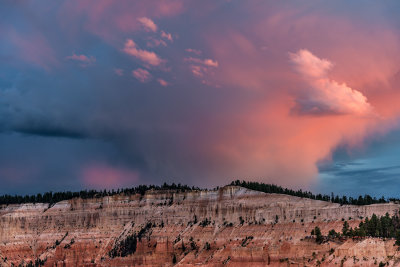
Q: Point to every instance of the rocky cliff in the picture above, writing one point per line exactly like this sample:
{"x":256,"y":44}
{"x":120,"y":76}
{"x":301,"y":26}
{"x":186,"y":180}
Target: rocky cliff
{"x":231,"y":226}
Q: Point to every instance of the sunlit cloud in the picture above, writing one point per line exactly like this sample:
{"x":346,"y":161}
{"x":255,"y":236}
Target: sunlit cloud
{"x":309,"y":65}
{"x":325,"y":96}
{"x":207,"y":62}
{"x":142,"y":75}
{"x":201,"y":67}
{"x":148,"y":24}
{"x":162,"y":82}
{"x":167,"y":36}
{"x":154,"y":42}
{"x":147,"y":57}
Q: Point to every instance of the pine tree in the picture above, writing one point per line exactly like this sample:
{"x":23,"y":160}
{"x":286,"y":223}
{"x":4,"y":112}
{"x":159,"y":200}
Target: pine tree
{"x":345,"y":228}
{"x":317,"y":233}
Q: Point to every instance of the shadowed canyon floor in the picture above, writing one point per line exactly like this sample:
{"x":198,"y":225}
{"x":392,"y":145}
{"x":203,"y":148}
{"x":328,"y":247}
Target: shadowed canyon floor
{"x":232,"y":226}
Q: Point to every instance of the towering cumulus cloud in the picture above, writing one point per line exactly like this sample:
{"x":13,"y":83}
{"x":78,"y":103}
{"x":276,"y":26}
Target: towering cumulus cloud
{"x":325,"y":96}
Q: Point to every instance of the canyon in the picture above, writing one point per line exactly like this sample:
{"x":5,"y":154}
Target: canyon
{"x":228,"y":226}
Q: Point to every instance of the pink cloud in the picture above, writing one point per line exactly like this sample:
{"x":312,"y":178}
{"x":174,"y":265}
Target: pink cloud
{"x":163,"y":82}
{"x":325,"y":96}
{"x":100,"y":176}
{"x":154,"y":42}
{"x":142,"y":75}
{"x":84,"y":60}
{"x":147,"y":57}
{"x":210,"y":62}
{"x":309,"y":65}
{"x":167,"y":36}
{"x":207,"y":62}
{"x":198,"y":70}
{"x":148,"y":24}
{"x":201,"y":67}
{"x":263,"y":137}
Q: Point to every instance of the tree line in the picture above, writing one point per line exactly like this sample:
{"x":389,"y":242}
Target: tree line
{"x":54,"y":197}
{"x":383,"y":226}
{"x":271,"y":188}
{"x":50,"y":197}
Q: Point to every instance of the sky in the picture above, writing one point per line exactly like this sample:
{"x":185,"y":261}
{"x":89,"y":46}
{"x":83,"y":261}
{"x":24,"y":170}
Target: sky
{"x":111,"y":94}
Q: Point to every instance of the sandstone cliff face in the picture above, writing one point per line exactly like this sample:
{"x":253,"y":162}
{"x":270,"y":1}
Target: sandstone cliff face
{"x":231,"y":226}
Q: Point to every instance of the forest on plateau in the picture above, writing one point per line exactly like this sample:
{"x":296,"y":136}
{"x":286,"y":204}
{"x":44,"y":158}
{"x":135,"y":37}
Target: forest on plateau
{"x":54,"y":197}
{"x":343,"y":200}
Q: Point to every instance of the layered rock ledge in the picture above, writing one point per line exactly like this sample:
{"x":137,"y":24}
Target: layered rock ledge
{"x":230,"y":226}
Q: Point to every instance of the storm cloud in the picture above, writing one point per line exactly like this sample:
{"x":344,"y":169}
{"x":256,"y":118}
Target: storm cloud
{"x":131,"y":92}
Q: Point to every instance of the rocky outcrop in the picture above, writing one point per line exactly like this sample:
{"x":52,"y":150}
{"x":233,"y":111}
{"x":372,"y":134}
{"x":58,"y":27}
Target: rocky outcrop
{"x":231,"y":226}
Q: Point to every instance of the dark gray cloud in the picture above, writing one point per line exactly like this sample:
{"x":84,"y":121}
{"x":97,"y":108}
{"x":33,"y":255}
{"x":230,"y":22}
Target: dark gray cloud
{"x":308,"y":107}
{"x":381,"y":181}
{"x":46,"y":130}
{"x":374,"y":170}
